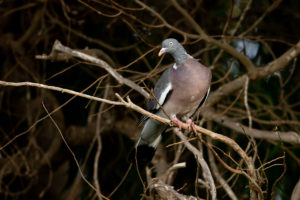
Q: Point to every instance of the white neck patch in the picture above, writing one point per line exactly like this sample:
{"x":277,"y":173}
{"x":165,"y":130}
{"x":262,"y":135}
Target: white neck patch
{"x":175,"y":66}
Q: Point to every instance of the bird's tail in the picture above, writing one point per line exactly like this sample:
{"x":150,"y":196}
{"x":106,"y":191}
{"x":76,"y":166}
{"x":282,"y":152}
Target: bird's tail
{"x":148,"y":141}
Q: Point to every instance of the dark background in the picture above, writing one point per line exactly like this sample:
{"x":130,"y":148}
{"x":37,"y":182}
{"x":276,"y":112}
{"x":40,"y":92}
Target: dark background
{"x":38,"y":165}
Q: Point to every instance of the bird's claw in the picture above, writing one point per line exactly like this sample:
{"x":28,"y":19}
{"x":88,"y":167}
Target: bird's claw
{"x":191,"y":125}
{"x":178,"y":123}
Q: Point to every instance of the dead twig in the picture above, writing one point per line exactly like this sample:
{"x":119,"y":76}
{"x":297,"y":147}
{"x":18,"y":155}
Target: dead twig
{"x":74,"y":157}
{"x":167,"y":192}
{"x":99,"y":144}
{"x":205,"y":169}
{"x":58,"y":47}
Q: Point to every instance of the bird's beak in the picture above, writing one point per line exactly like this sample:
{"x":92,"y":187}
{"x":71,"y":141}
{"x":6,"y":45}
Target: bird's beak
{"x":162,"y":51}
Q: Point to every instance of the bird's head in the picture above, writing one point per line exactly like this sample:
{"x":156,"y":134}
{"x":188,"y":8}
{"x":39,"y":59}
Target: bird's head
{"x":170,"y":45}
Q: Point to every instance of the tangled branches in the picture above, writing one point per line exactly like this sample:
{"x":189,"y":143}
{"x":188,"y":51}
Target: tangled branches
{"x":251,"y":115}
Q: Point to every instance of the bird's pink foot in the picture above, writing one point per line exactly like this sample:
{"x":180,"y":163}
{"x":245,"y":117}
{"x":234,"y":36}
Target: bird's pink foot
{"x":191,"y":125}
{"x":177,"y":122}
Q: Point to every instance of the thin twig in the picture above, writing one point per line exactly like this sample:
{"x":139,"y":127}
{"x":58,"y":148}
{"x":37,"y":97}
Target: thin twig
{"x":58,"y":47}
{"x":237,"y":25}
{"x":216,"y":172}
{"x":73,"y":154}
{"x":205,"y":169}
{"x":58,"y":89}
{"x":275,"y":4}
{"x":99,"y":144}
{"x":246,"y":102}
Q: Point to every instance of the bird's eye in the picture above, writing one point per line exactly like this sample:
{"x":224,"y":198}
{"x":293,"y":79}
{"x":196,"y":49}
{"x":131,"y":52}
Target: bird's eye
{"x":170,"y":43}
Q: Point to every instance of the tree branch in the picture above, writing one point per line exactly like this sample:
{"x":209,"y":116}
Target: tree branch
{"x":296,"y":191}
{"x":218,"y":175}
{"x":289,"y":137}
{"x":199,"y":157}
{"x":166,"y":192}
{"x":229,"y":49}
{"x":228,"y":88}
{"x":59,"y":89}
{"x":58,"y":47}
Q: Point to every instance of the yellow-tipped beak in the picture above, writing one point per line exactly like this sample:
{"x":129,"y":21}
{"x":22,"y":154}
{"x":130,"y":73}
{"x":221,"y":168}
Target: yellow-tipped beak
{"x":162,"y":51}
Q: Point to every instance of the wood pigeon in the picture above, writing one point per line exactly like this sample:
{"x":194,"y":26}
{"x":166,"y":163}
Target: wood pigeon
{"x":179,"y":92}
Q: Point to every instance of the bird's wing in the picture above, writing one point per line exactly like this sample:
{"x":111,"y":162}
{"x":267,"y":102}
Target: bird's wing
{"x":202,"y":102}
{"x":162,"y":91}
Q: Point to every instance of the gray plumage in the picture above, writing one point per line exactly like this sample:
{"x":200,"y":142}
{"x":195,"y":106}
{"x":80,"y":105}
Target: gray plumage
{"x":180,"y":90}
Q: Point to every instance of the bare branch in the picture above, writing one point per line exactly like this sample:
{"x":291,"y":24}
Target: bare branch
{"x":131,"y":105}
{"x":58,"y":47}
{"x":275,"y":4}
{"x":99,"y":145}
{"x":58,"y":89}
{"x":296,"y":191}
{"x":218,"y":176}
{"x":246,"y":102}
{"x":289,"y":137}
{"x":167,"y":192}
{"x":261,"y":72}
{"x":73,"y":154}
{"x":229,"y":49}
{"x":280,"y":63}
{"x":205,"y":169}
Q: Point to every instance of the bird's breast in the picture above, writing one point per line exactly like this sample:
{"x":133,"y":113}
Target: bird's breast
{"x":190,"y":84}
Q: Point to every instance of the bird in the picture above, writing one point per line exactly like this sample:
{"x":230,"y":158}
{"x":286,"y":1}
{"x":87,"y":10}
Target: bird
{"x":178,"y":93}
